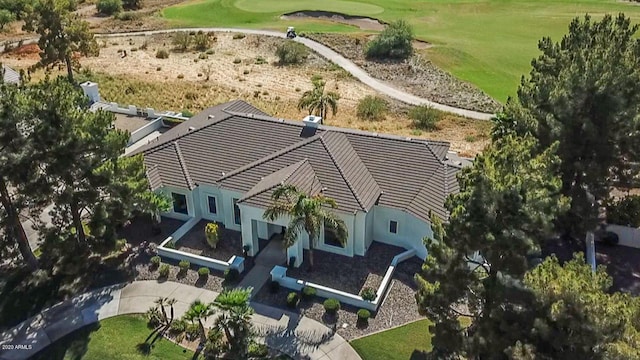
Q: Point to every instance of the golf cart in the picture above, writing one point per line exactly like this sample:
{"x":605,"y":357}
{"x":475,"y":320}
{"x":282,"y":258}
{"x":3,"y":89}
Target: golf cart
{"x":291,"y":32}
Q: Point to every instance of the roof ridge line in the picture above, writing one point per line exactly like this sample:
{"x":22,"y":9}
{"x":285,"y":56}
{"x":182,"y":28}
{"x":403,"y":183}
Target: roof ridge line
{"x":423,"y":187}
{"x":183,"y":165}
{"x":355,"y":195}
{"x":299,"y":163}
{"x":271,"y":156}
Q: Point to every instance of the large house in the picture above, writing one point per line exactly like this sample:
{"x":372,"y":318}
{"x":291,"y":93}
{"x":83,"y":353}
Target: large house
{"x":224,"y":163}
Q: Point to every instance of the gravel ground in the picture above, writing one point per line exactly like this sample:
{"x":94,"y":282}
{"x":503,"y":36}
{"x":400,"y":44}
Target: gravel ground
{"x":349,"y":274}
{"x":195,"y":242}
{"x":398,"y":308}
{"x":416,"y":75}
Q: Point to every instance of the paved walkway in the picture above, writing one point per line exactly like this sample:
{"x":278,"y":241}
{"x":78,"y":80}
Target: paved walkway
{"x":273,"y":254}
{"x":330,"y":55}
{"x":293,"y":334}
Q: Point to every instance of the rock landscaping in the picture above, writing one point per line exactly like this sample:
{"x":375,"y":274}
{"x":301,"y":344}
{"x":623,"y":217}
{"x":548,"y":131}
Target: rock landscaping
{"x":398,"y":308}
{"x":416,"y":75}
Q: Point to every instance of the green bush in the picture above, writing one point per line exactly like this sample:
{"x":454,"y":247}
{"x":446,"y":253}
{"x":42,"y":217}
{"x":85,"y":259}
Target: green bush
{"x":109,"y":7}
{"x":238,"y":36}
{"x":132,"y":4}
{"x":331,"y":306}
{"x":257,"y":350}
{"x":371,"y":108}
{"x":624,"y":211}
{"x":184,"y":266}
{"x":192,"y":331}
{"x":187,"y":113}
{"x":164,"y":270}
{"x":293,"y":299}
{"x":308,"y":292}
{"x":170,"y":245}
{"x":204,"y":272}
{"x":425,"y":117}
{"x":393,"y":42}
{"x":363,"y":315}
{"x":6,"y":17}
{"x":177,"y":327}
{"x":181,"y":40}
{"x":155,"y":261}
{"x":260,"y":60}
{"x":201,"y":41}
{"x":368,"y":294}
{"x":291,"y":53}
{"x":127,"y":16}
{"x":231,"y":275}
{"x":162,"y":54}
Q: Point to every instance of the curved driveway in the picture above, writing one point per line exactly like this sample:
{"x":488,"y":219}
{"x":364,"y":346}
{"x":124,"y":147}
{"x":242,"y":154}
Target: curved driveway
{"x":290,"y":333}
{"x":330,"y":55}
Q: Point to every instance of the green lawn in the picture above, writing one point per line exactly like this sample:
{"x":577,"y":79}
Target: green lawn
{"x":487,"y":42}
{"x":406,"y":342}
{"x":115,"y":338}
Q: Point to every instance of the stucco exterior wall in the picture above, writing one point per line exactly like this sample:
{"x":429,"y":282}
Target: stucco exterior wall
{"x":410,"y":234}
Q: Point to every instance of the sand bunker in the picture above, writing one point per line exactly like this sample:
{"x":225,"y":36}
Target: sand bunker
{"x":362,"y":22}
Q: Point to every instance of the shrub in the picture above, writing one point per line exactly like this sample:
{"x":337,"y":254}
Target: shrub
{"x":363,"y":315}
{"x":212,"y":233}
{"x":204,"y":272}
{"x":177,"y":327}
{"x":201,"y":41}
{"x":170,"y":244}
{"x":238,"y":36}
{"x":192,"y":331}
{"x":308,"y":292}
{"x":132,"y":4}
{"x":203,"y":56}
{"x":291,"y":53}
{"x":368,"y":294}
{"x":6,"y":17}
{"x":180,"y":76}
{"x":162,"y":54}
{"x":237,"y":61}
{"x":187,"y":113}
{"x":181,"y":40}
{"x":184,"y":266}
{"x":331,"y":306}
{"x":231,"y":275}
{"x":293,"y":299}
{"x":371,"y":108}
{"x":109,"y":7}
{"x":425,"y":117}
{"x":256,"y":350}
{"x":164,"y":270}
{"x":127,"y":16}
{"x":260,"y":60}
{"x":393,"y":42}
{"x":155,"y":261}
{"x":210,"y":52}
{"x":274,"y":287}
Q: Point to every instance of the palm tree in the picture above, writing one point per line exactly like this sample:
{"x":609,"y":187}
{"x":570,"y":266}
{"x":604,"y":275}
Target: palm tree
{"x":199,"y":311}
{"x":317,"y":101}
{"x":235,"y":321}
{"x":308,"y":213}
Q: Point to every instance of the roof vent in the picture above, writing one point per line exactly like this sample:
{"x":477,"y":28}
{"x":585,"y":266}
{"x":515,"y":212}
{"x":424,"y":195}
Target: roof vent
{"x":312,"y":121}
{"x":191,"y":128}
{"x":211,"y":116}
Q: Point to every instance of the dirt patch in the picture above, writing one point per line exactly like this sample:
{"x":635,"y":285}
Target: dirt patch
{"x":362,"y":22}
{"x":416,"y":75}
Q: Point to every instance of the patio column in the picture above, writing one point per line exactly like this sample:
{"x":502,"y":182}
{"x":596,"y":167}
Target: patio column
{"x":297,"y":251}
{"x":249,"y":234}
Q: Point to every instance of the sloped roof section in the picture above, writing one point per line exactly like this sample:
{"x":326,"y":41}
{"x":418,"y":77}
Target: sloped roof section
{"x":155,"y":180}
{"x":9,"y":75}
{"x":355,"y":173}
{"x":166,"y":165}
{"x":431,"y":196}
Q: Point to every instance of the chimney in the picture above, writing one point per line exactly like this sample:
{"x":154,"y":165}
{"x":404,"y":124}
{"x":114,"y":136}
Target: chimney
{"x":312,"y":121}
{"x":90,"y":89}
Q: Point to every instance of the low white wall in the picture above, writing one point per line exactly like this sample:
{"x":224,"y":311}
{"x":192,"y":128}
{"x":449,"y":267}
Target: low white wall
{"x":235,"y":262}
{"x":627,"y":235}
{"x":144,"y":131}
{"x":279,"y":274}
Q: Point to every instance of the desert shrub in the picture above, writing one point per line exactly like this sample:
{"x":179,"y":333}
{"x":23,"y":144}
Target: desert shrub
{"x":291,"y":53}
{"x":177,"y":326}
{"x":293,"y":299}
{"x":245,"y":72}
{"x":187,"y":113}
{"x":181,"y":40}
{"x":425,"y":117}
{"x":257,"y":350}
{"x":203,"y":56}
{"x":127,"y":16}
{"x":201,"y":41}
{"x":363,"y":315}
{"x":331,"y":306}
{"x":308,"y":292}
{"x":6,"y":17}
{"x":204,"y":272}
{"x":164,"y":270}
{"x":371,"y":108}
{"x":212,"y":233}
{"x":237,"y":61}
{"x":180,"y":76}
{"x":368,"y":294}
{"x":184,"y":266}
{"x":624,"y":211}
{"x":260,"y":60}
{"x":274,"y":287}
{"x":132,"y":4}
{"x":238,"y":36}
{"x":109,"y":7}
{"x":210,"y":52}
{"x":231,"y":275}
{"x":393,"y":42}
{"x":170,"y":245}
{"x":155,"y":261}
{"x":162,"y":54}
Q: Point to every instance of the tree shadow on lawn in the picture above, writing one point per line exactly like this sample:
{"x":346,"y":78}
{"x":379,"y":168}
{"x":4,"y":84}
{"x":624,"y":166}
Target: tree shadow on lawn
{"x":72,"y":346}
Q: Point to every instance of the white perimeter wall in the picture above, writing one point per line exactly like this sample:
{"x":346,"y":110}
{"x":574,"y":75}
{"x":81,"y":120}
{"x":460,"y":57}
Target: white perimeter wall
{"x":628,"y":236}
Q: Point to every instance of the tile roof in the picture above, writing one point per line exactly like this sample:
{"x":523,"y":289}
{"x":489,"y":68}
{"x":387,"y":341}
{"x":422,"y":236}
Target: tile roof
{"x":250,"y":152}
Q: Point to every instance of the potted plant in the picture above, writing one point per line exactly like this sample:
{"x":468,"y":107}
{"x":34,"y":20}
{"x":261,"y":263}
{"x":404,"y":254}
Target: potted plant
{"x":245,"y":250}
{"x":212,"y":233}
